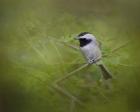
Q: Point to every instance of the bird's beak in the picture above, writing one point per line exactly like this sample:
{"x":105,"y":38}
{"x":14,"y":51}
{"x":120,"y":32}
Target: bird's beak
{"x":76,"y":38}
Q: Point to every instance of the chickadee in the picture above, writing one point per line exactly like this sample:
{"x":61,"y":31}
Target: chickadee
{"x":90,"y":48}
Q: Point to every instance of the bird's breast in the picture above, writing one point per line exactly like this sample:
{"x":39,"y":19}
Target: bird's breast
{"x":91,"y":52}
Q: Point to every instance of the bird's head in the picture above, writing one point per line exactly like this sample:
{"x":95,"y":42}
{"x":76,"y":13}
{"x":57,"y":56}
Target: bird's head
{"x":85,"y":38}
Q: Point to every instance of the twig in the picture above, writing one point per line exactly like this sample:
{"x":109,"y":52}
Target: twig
{"x":66,"y":93}
{"x":66,"y":44}
{"x":127,"y":65}
{"x":72,"y":106}
{"x":102,"y":94}
{"x":115,"y":49}
{"x":37,"y":51}
{"x":59,"y":55}
{"x":72,"y":73}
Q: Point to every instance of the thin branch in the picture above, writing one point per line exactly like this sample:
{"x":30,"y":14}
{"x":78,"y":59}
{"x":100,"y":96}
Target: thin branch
{"x":71,"y":73}
{"x":115,"y":49}
{"x":72,"y":106}
{"x":121,"y":46}
{"x":121,"y":64}
{"x":102,"y":94}
{"x":66,"y":93}
{"x":66,"y":44}
{"x":37,"y":51}
{"x":59,"y":55}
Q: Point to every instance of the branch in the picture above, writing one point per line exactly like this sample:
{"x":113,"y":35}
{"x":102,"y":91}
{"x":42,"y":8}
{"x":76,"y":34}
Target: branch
{"x":65,"y":43}
{"x":116,"y":49}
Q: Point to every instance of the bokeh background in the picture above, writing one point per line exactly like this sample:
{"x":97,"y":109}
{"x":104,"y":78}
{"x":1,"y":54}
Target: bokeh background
{"x":31,"y":58}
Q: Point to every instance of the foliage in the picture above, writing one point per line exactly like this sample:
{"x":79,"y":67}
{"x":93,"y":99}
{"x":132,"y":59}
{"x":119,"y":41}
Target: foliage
{"x":31,"y":58}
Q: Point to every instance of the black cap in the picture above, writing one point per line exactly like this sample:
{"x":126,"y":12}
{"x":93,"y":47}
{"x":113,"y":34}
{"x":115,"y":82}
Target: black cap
{"x":83,"y":33}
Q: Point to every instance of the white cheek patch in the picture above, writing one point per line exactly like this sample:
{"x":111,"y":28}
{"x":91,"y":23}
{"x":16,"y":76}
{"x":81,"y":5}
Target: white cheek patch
{"x":89,"y":36}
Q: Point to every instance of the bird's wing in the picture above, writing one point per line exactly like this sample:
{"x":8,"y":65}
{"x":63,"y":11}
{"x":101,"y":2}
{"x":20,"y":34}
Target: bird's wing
{"x":99,"y":43}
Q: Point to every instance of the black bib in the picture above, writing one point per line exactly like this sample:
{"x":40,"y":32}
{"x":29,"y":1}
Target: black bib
{"x":84,"y":41}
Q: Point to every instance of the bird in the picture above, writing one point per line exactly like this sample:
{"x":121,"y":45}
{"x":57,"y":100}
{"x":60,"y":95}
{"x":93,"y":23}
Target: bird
{"x":91,"y":50}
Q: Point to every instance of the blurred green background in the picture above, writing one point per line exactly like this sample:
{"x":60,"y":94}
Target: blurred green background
{"x":30,"y":60}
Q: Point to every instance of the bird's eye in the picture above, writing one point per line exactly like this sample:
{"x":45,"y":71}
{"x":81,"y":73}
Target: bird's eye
{"x":83,"y":39}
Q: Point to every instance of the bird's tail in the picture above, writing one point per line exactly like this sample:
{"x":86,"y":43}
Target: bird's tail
{"x":106,"y":74}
